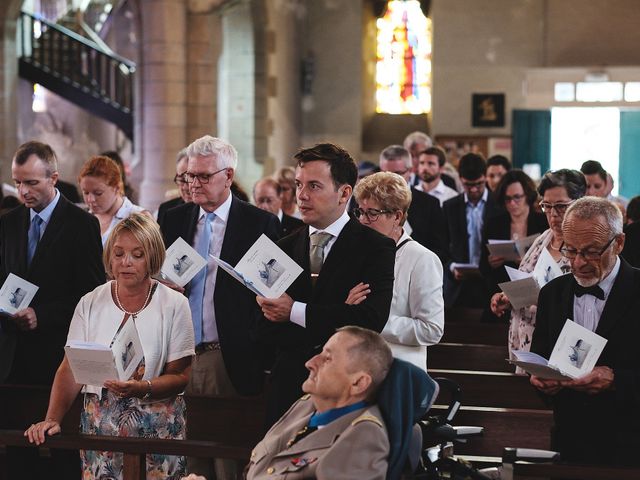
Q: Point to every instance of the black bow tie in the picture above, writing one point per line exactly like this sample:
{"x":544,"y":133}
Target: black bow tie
{"x":594,"y":290}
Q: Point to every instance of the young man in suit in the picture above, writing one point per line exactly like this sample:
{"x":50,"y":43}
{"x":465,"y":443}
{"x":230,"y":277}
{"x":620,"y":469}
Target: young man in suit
{"x":55,"y":245}
{"x":337,"y":253}
{"x":183,"y":187}
{"x":596,"y":416}
{"x":465,"y":216}
{"x":218,"y":223}
{"x":425,"y":220}
{"x":267,"y":195}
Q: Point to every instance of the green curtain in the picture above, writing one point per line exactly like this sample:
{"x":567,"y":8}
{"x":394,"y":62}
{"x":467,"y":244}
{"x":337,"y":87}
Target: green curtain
{"x":629,"y":174}
{"x":531,"y":138}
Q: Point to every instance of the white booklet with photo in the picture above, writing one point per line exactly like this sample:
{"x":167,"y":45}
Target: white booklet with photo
{"x":523,"y":289}
{"x":265,"y":269}
{"x":181,"y":263}
{"x":16,"y":294}
{"x":511,"y":250}
{"x":93,"y":363}
{"x":574,"y":355}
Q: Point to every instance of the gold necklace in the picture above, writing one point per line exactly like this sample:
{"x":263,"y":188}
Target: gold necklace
{"x":144,"y":305}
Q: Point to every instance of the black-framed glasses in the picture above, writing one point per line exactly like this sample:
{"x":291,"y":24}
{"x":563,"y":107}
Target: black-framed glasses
{"x":560,"y":208}
{"x":179,"y":179}
{"x":203,"y":178}
{"x":572,"y":253}
{"x":372,"y":214}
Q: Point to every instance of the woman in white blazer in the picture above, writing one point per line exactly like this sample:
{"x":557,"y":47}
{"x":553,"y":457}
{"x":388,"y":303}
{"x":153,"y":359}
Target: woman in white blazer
{"x":416,"y":319}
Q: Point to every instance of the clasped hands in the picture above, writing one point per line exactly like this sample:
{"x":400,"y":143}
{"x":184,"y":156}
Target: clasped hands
{"x":598,"y":380}
{"x":279,"y":309}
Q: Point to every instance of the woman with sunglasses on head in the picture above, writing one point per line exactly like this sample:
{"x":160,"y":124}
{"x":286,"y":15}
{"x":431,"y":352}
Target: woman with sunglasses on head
{"x":516,"y":193}
{"x":416,"y":318}
{"x":558,"y":190}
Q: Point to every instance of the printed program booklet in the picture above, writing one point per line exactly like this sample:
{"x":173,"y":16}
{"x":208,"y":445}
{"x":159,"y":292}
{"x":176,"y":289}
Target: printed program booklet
{"x":523,"y":289}
{"x":574,"y":355}
{"x":181,"y":263}
{"x":265,"y":269}
{"x":16,"y":294}
{"x":511,"y":250}
{"x":93,"y":363}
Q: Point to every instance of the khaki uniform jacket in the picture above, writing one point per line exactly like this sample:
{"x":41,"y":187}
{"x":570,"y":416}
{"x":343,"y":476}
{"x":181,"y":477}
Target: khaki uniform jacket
{"x":354,"y":446}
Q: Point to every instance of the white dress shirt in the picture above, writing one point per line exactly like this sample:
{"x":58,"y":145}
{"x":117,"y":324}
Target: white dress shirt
{"x":441,"y":191}
{"x":587,"y":309}
{"x":298,"y":311}
{"x":218,"y":229}
{"x":416,"y":318}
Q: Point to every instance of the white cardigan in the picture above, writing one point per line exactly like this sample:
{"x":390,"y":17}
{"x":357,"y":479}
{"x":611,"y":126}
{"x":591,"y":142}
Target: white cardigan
{"x":416,"y":318}
{"x":164,"y":326}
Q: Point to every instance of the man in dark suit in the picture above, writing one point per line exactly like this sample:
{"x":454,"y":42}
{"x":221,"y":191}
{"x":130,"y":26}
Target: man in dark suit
{"x":465,"y":216}
{"x":220,"y":224}
{"x":425,"y":220}
{"x":337,"y":253}
{"x":55,"y":245}
{"x":183,"y":187}
{"x":597,"y":419}
{"x":267,"y":194}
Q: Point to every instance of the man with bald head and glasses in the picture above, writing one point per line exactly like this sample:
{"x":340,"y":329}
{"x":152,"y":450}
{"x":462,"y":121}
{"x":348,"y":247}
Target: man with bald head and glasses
{"x":222,"y":309}
{"x":597,"y":419}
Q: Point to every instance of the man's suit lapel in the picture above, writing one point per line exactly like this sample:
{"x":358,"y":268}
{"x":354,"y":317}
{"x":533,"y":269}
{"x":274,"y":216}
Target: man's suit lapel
{"x":565,"y":309}
{"x":53,"y":230}
{"x":22,"y":239}
{"x":233,"y":234}
{"x":463,"y":232}
{"x":621,"y":298}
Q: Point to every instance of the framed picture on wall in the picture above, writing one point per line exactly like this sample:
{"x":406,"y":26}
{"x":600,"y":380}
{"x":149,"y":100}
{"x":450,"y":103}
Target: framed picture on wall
{"x":487,"y":110}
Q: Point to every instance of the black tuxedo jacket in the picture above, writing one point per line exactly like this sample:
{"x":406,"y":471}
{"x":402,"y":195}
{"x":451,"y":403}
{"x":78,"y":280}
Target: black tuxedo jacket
{"x":498,"y":227}
{"x":67,"y":264}
{"x":359,"y":254}
{"x":289,"y":224}
{"x":427,"y":222}
{"x":166,"y":206}
{"x":235,"y":305}
{"x":602,"y":428}
{"x":631,"y":251}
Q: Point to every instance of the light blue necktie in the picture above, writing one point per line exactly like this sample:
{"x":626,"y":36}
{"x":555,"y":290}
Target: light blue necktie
{"x":475,"y":236}
{"x":34,"y":237}
{"x":196,"y":293}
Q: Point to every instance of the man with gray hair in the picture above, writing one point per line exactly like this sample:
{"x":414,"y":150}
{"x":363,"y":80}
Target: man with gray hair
{"x":217,"y":223}
{"x":415,"y":143}
{"x":425,"y":219}
{"x":596,"y":416}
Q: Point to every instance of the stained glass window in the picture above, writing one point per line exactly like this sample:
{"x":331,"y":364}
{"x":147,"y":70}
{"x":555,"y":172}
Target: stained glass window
{"x":403,"y":68}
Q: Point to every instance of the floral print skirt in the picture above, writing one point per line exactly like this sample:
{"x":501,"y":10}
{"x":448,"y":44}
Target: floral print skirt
{"x":127,"y":417}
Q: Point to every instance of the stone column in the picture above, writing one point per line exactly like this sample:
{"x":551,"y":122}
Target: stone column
{"x":162,"y":118}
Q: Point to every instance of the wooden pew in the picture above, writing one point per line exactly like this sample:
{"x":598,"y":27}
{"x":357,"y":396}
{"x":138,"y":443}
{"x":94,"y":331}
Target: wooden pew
{"x":492,"y":389}
{"x":460,"y":356}
{"x":475,"y":333}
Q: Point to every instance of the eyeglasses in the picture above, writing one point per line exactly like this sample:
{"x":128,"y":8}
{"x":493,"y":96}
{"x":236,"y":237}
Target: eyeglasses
{"x":572,"y":253}
{"x":372,"y":214}
{"x":203,"y":178}
{"x":514,"y":198}
{"x":560,"y":208}
{"x":179,"y":179}
{"x":477,"y":184}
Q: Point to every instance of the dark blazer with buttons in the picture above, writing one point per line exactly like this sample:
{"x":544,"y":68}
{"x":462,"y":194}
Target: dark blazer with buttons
{"x":166,"y":206}
{"x":601,"y":428}
{"x":234,"y":304}
{"x":359,"y":254}
{"x":66,"y":265}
